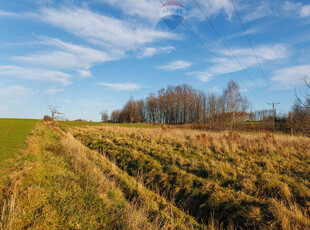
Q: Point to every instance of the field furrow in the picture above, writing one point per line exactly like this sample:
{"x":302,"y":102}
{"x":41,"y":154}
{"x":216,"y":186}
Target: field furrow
{"x":245,"y":179}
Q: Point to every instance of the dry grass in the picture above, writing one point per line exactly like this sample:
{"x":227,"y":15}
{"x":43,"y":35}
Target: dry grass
{"x":249,"y":180}
{"x":59,"y":184}
{"x":140,"y":178}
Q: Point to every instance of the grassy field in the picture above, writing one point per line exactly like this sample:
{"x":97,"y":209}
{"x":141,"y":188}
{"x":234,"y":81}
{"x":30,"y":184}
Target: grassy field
{"x":60,"y":184}
{"x":82,"y":123}
{"x":247,"y":180}
{"x":76,"y":176}
{"x":13,"y":134}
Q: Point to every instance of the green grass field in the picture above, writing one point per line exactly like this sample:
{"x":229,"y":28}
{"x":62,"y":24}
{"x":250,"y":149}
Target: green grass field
{"x":13,"y":134}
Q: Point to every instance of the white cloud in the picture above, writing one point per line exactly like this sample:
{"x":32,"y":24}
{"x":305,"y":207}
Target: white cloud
{"x":214,"y":7}
{"x":69,"y":56}
{"x":266,"y":53}
{"x":52,"y":91}
{"x":144,"y":9}
{"x":121,"y":86}
{"x":16,"y":91}
{"x":176,"y":65}
{"x":112,"y":33}
{"x":5,"y":13}
{"x":151,"y":51}
{"x":292,"y":6}
{"x":256,"y":12}
{"x":296,"y":9}
{"x":37,"y":74}
{"x":149,"y":9}
{"x":305,"y":11}
{"x":85,"y":73}
{"x":202,"y":76}
{"x":290,"y":77}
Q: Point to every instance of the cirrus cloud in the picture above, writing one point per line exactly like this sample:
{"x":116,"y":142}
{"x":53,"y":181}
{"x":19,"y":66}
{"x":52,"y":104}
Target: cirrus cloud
{"x":176,"y":65}
{"x":16,"y":91}
{"x":121,"y":86}
{"x":36,"y":74}
{"x":291,"y":76}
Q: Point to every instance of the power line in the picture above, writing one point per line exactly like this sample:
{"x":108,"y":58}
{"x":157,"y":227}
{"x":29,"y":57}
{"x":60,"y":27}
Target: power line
{"x":250,"y":43}
{"x":273,"y":104}
{"x":249,"y":40}
{"x":224,"y":42}
{"x":199,"y":40}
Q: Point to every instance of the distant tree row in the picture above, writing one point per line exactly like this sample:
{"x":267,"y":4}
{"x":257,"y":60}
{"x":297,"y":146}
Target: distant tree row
{"x":183,"y":104}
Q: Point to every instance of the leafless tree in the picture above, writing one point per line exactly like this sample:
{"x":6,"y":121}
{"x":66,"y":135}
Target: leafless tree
{"x":116,"y":116}
{"x":104,"y":116}
{"x":304,"y":99}
{"x":301,"y":109}
{"x":234,"y":102}
{"x":55,"y":113}
{"x":183,"y":104}
{"x":132,"y":111}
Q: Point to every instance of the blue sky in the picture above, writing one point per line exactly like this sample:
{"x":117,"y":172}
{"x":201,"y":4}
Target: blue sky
{"x":89,"y":56}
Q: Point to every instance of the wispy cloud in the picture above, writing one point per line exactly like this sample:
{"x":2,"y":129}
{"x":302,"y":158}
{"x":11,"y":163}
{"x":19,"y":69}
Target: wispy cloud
{"x":144,"y":9}
{"x":67,"y":56}
{"x":151,"y":51}
{"x":85,"y":73}
{"x":258,"y":11}
{"x":121,"y":86}
{"x":214,"y":7}
{"x":290,"y":77}
{"x":16,"y":91}
{"x":149,"y":9}
{"x":266,"y":53}
{"x":201,"y":75}
{"x":6,"y":14}
{"x":36,"y":74}
{"x":305,"y":11}
{"x":111,"y":33}
{"x":53,"y":91}
{"x":176,"y":65}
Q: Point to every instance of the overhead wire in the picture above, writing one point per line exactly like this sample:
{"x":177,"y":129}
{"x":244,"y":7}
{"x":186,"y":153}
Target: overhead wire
{"x":250,"y":43}
{"x":249,"y":40}
{"x":223,"y":41}
{"x":202,"y":43}
{"x":221,"y":38}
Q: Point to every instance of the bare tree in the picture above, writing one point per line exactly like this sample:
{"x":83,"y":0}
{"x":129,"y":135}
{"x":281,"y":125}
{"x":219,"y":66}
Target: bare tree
{"x":304,"y":99}
{"x":301,"y":109}
{"x":116,"y":116}
{"x":55,"y":113}
{"x":132,"y":111}
{"x":234,"y":102}
{"x":104,"y":116}
{"x":183,"y":104}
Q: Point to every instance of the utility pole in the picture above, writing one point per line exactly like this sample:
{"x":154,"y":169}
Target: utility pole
{"x":273,"y":104}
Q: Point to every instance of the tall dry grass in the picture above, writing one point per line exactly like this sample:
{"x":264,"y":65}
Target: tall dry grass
{"x":253,"y":180}
{"x":57,"y":183}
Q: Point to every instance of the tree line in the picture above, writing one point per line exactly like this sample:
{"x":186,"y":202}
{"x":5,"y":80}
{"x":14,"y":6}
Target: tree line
{"x":184,"y":104}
